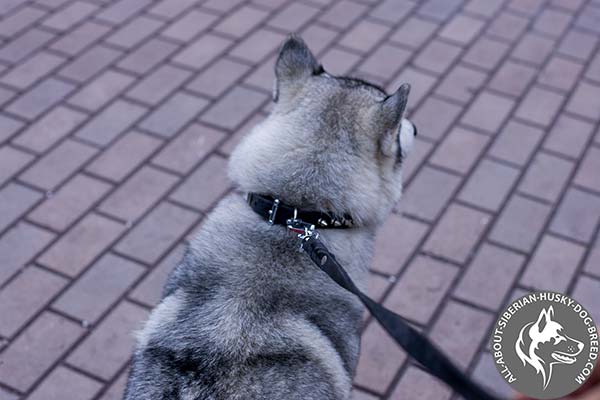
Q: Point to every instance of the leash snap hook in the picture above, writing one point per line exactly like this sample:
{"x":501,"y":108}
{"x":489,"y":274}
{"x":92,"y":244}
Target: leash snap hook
{"x":304,"y":230}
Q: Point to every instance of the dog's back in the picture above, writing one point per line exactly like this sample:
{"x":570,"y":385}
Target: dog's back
{"x":246,"y":316}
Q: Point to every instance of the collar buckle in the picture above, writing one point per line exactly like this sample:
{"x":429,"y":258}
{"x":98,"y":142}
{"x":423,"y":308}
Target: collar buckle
{"x":273,"y":212}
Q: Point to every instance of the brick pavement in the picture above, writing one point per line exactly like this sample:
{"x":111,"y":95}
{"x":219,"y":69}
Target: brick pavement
{"x":117,"y":118}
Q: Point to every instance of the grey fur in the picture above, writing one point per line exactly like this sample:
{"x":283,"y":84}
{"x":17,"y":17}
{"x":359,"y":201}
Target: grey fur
{"x":245,"y":315}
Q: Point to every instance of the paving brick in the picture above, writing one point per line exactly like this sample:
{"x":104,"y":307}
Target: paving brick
{"x":171,"y":9}
{"x":462,"y":29}
{"x":416,"y":159}
{"x":488,"y":112}
{"x":234,"y":107}
{"x":11,"y":162}
{"x":157,"y":232}
{"x":460,"y":330}
{"x":587,"y":174}
{"x":156,"y":86}
{"x":80,"y":38}
{"x":578,"y":44}
{"x":293,"y":16}
{"x":101,"y":90}
{"x":111,"y":122}
{"x":586,"y":292}
{"x":20,"y":20}
{"x":379,"y":359}
{"x":97,"y":289}
{"x":124,"y":156}
{"x":510,"y":229}
{"x":19,"y":245}
{"x":24,"y":45}
{"x":8,"y":127}
{"x":486,"y":373}
{"x":516,"y":142}
{"x":25,"y":74}
{"x":121,"y":10}
{"x":457,"y":232}
{"x":221,"y":6}
{"x":337,"y":61}
{"x":70,"y":202}
{"x":560,"y":73}
{"x":58,"y":164}
{"x":414,"y":32}
{"x":577,"y":215}
{"x":52,"y":127}
{"x":147,"y":56}
{"x":376,"y":287}
{"x":385,"y":61}
{"x":512,"y":78}
{"x":553,"y":265}
{"x":529,"y":8}
{"x":440,"y":10}
{"x":343,"y":14}
{"x":219,"y":77}
{"x":592,"y":263}
{"x":428,"y":193}
{"x":8,"y":6}
{"x":108,"y":348}
{"x":6,"y":95}
{"x":190,"y":25}
{"x":434,"y":128}
{"x":460,"y":150}
{"x":244,"y":19}
{"x":360,"y":395}
{"x":437,"y":56}
{"x":51,"y":4}
{"x":461,"y":83}
{"x":364,"y":36}
{"x":258,"y":45}
{"x":210,"y":175}
{"x":34,"y":351}
{"x":539,"y":183}
{"x":138,"y":193}
{"x":533,"y":48}
{"x":490,"y":276}
{"x":489,"y":185}
{"x":540,"y":106}
{"x":24,"y":296}
{"x":507,"y":26}
{"x":486,"y":53}
{"x":66,"y":384}
{"x":552,"y":22}
{"x":89,"y":63}
{"x":593,"y":70}
{"x":588,"y":19}
{"x":70,"y":16}
{"x":318,"y":37}
{"x":174,"y":114}
{"x":40,"y":98}
{"x":421,"y":289}
{"x":203,"y":51}
{"x":77,"y":248}
{"x":585,"y":101}
{"x":117,"y":388}
{"x":149,"y":291}
{"x":396,"y":240}
{"x":134,"y":32}
{"x":416,"y":383}
{"x":6,"y":395}
{"x":392,"y":11}
{"x":15,"y":200}
{"x":188,"y":148}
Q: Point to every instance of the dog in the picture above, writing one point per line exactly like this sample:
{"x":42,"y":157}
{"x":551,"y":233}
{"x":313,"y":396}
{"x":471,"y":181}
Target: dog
{"x":543,"y":344}
{"x":245,"y":315}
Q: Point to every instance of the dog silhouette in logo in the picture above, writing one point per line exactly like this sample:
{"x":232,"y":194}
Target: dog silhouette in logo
{"x":544,"y":343}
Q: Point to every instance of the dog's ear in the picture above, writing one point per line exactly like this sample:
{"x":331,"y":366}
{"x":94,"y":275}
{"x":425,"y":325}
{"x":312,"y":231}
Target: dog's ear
{"x":389,"y":116}
{"x":294,"y":64}
{"x":544,"y":318}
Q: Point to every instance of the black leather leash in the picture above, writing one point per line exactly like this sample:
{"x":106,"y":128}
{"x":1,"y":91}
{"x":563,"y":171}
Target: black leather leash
{"x":413,"y":342}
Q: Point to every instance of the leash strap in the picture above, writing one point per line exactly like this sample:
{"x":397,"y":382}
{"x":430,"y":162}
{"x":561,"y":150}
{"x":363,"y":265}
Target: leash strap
{"x":414,"y":343}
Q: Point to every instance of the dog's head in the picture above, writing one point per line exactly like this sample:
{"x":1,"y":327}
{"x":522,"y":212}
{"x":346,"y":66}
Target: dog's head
{"x":334,"y":143}
{"x":544,"y":343}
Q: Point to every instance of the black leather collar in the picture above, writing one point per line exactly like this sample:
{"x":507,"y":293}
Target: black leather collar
{"x":278,"y":213}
